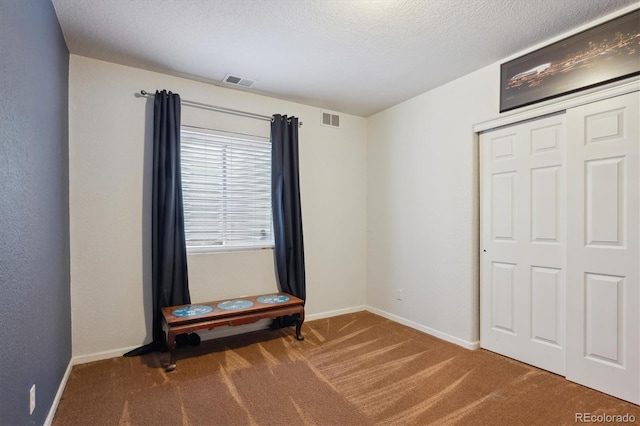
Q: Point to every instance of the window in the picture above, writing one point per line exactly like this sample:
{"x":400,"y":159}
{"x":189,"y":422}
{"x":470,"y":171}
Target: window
{"x":226,"y":185}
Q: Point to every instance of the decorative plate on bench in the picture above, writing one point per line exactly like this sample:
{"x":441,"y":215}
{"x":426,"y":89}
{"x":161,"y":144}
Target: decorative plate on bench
{"x":232,"y":305}
{"x":273,"y":298}
{"x":192,"y":311}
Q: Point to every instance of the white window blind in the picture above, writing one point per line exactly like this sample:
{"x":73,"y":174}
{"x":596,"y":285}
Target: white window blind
{"x":226,"y":186}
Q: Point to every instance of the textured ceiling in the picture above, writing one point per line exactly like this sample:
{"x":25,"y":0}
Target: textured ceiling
{"x":358,"y":56}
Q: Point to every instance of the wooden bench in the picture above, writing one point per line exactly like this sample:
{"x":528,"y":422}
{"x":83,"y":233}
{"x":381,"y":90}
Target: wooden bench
{"x":230,"y":312}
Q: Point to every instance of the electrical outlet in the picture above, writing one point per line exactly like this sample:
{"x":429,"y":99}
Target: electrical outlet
{"x":398,"y":294}
{"x":32,"y":399}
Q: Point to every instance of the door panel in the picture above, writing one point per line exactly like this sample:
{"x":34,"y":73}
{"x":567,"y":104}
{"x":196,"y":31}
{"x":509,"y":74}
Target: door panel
{"x":522,"y":221}
{"x":604,"y":312}
{"x":604,"y":126}
{"x":546,"y":138}
{"x":503,"y":193}
{"x":604,"y":201}
{"x":503,"y":296}
{"x":545,"y":300}
{"x":603,"y":236}
{"x":545,"y":205}
{"x":503,"y":147}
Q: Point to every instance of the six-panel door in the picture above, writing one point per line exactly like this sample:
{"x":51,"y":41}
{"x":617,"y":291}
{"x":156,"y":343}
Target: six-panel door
{"x":603,"y":255}
{"x":523,"y":242}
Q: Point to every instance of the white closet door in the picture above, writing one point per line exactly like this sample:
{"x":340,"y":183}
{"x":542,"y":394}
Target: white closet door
{"x":522,"y":295}
{"x":603,"y":257}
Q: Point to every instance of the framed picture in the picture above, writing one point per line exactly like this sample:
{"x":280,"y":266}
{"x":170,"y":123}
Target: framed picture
{"x":599,"y":55}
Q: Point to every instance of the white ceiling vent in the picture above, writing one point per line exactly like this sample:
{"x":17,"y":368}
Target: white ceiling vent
{"x":238,"y":81}
{"x":330,"y":119}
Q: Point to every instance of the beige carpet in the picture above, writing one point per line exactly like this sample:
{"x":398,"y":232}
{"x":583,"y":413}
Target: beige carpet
{"x":357,"y":369}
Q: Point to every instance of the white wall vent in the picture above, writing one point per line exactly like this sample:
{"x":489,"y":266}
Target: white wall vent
{"x":330,"y":119}
{"x":238,"y":81}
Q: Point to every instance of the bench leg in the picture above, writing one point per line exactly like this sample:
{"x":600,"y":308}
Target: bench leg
{"x":299,"y":335}
{"x":171,"y":344}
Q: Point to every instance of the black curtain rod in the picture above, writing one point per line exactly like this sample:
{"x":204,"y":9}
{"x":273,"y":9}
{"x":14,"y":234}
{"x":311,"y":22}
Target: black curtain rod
{"x":219,"y":109}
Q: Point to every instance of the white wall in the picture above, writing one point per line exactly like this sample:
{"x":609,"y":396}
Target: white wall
{"x":422,"y":207}
{"x":110,"y":205}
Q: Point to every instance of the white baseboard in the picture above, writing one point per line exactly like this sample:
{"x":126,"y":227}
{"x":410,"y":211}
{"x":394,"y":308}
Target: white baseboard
{"x":56,"y":400}
{"x":335,"y":313}
{"x":436,"y":333}
{"x":99,"y":356}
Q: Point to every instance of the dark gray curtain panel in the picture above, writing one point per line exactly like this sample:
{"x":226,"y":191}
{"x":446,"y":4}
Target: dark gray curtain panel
{"x":170,"y":283}
{"x":285,"y":199}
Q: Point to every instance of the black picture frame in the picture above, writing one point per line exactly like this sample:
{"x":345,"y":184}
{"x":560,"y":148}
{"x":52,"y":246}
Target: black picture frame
{"x":599,"y":55}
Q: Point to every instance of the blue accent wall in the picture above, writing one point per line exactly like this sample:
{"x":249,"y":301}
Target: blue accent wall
{"x":35,"y":308}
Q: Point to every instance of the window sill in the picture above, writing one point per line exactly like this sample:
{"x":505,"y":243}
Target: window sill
{"x":210,"y":250}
